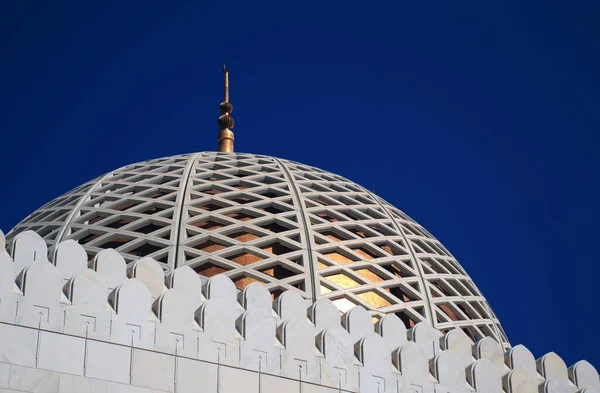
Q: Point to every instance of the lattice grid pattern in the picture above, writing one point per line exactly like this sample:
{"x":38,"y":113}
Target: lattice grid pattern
{"x":286,"y":225}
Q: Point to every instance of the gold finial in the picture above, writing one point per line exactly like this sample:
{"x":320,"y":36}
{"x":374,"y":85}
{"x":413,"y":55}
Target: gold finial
{"x":226,"y":121}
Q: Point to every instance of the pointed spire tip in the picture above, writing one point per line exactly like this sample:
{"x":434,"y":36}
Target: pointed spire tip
{"x":226,"y":138}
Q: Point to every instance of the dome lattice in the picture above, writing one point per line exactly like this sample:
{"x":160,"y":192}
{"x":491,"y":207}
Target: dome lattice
{"x":286,"y":225}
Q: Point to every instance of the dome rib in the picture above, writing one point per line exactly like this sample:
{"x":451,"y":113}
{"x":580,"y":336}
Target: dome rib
{"x":182,"y":198}
{"x":309,"y":237}
{"x":413,"y":256}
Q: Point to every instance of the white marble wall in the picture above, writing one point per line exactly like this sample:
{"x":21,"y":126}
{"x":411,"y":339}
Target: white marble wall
{"x":69,"y":326}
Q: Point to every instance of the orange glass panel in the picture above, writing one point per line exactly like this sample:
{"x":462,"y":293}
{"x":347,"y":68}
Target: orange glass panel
{"x":240,"y":216}
{"x":246,"y":259}
{"x":208,"y":225}
{"x":369,"y":275}
{"x":363,"y":254}
{"x":448,"y":312}
{"x":277,"y":249}
{"x":209,"y":270}
{"x":388,"y":249}
{"x":394,"y":269}
{"x":270,"y":271}
{"x":333,"y":237}
{"x":244,"y":237}
{"x":374,"y":299}
{"x":213,"y":191}
{"x":328,"y":217}
{"x":343,"y":281}
{"x":339,"y":258}
{"x":243,"y":282}
{"x":209,"y":246}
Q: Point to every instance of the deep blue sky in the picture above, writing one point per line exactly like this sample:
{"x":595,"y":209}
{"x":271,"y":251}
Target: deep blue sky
{"x":478,"y":119}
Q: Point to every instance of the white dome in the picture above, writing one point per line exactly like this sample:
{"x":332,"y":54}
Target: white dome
{"x":284,"y":224}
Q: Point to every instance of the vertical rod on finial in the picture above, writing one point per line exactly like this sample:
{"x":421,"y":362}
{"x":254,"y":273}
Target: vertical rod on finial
{"x":226,"y":82}
{"x":226,"y":138}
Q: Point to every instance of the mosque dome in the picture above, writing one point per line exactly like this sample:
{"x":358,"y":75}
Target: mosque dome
{"x":243,"y":272}
{"x":286,"y":225}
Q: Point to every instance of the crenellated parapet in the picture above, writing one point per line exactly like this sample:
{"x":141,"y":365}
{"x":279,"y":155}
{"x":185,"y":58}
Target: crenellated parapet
{"x":132,"y":326}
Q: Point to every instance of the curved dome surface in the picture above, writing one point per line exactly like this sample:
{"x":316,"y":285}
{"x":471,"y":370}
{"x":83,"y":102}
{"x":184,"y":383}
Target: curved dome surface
{"x":281,"y":223}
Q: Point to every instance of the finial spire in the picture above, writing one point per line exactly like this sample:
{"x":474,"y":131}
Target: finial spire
{"x":226,"y":121}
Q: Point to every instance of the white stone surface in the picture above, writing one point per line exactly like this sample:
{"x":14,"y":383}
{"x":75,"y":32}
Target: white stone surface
{"x":583,"y":374}
{"x":70,"y":259}
{"x":8,"y":307}
{"x":108,"y":362}
{"x":40,"y":313}
{"x":483,"y":375}
{"x":589,"y":389}
{"x":74,"y":384}
{"x":33,"y":380}
{"x":392,"y":329}
{"x":311,"y":388}
{"x":151,"y":274}
{"x":193,"y":376}
{"x":112,"y":387}
{"x":88,"y":288}
{"x":41,"y":282}
{"x":132,"y":324}
{"x":28,"y":247}
{"x":175,"y":308}
{"x":220,"y":287}
{"x":357,"y":322}
{"x":236,"y":381}
{"x":110,"y":265}
{"x":254,"y":296}
{"x":153,"y":370}
{"x":290,"y":306}
{"x":519,"y":381}
{"x":181,"y":341}
{"x":446,"y":368}
{"x":88,"y":321}
{"x":426,"y":337}
{"x":490,"y":349}
{"x":323,"y":313}
{"x":338,"y":369}
{"x":412,"y":363}
{"x":132,"y":300}
{"x":297,"y":335}
{"x":17,"y":345}
{"x":551,"y":365}
{"x":7,"y":275}
{"x":257,"y":350}
{"x":4,"y":374}
{"x":138,"y":334}
{"x":219,"y":341}
{"x":519,"y":357}
{"x":375,"y":375}
{"x":61,"y":353}
{"x":557,"y":385}
{"x":460,"y":344}
{"x":188,"y":280}
{"x":274,"y":384}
